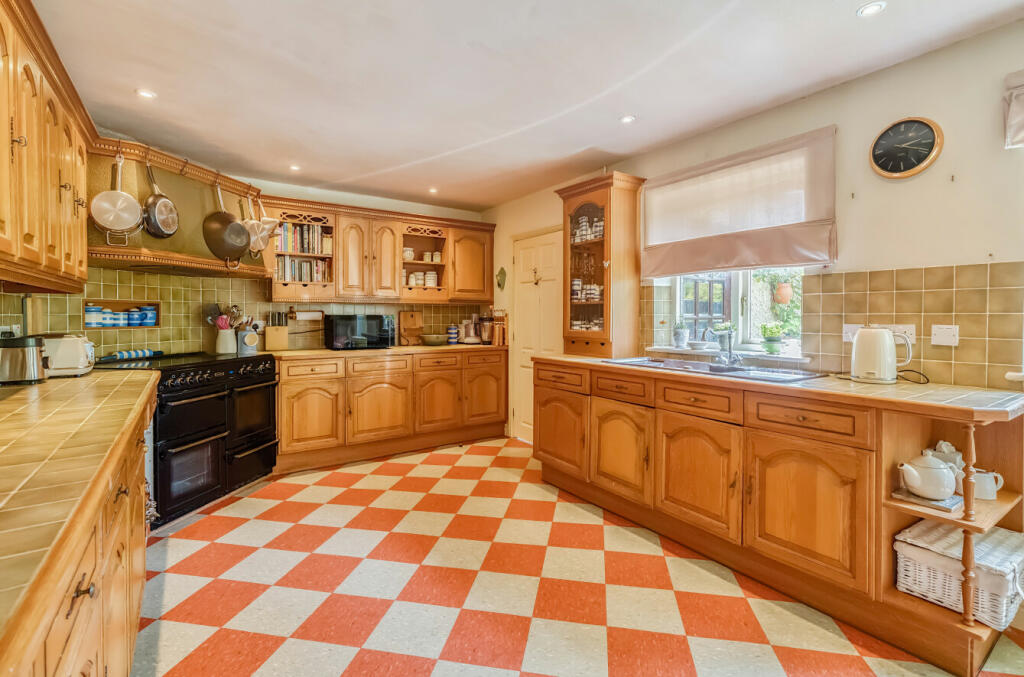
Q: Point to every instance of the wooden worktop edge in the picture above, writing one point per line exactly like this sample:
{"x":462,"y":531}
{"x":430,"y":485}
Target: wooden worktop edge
{"x":325,"y":353}
{"x":27,"y":625}
{"x":933,"y":409}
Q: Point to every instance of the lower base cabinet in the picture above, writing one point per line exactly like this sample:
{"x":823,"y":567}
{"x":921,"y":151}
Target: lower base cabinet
{"x":116,"y":594}
{"x":697,"y":472}
{"x":438,"y":400}
{"x":379,"y":408}
{"x":485,"y":394}
{"x":620,"y":448}
{"x":808,"y":505}
{"x":561,"y":425}
{"x":312,"y":414}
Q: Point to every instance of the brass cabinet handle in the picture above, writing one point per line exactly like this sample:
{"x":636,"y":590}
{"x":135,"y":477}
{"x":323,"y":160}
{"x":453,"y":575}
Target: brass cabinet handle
{"x":647,"y":457}
{"x":805,"y":419}
{"x":19,"y":141}
{"x":697,"y":400}
{"x":80,"y":592}
{"x":121,"y":491}
{"x":557,"y":377}
{"x":619,"y":386}
{"x":65,"y":186}
{"x":732,"y":485}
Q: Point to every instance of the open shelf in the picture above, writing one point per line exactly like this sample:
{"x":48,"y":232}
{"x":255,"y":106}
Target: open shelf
{"x":305,"y":255}
{"x":587,"y":303}
{"x":439,"y":264}
{"x":986,"y":513}
{"x":123,"y":306}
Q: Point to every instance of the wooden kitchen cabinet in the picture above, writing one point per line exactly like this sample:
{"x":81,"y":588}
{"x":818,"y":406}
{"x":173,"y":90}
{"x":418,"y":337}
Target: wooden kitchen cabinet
{"x":8,"y":242}
{"x":438,"y":400}
{"x":697,"y":472}
{"x":138,"y":533}
{"x":472,"y":260}
{"x":353,"y":256}
{"x":53,"y":236}
{"x":808,"y":505}
{"x":81,"y":211}
{"x":561,"y":428}
{"x":385,"y":259}
{"x":485,"y":394}
{"x":620,"y":448}
{"x":73,"y":236}
{"x":27,"y":159}
{"x":312,"y":415}
{"x":379,"y":407}
{"x":115,"y":592}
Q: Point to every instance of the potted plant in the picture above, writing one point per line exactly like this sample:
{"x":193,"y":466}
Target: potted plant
{"x":783,"y":293}
{"x":723,"y":332}
{"x":680,"y":335}
{"x":771,"y":335}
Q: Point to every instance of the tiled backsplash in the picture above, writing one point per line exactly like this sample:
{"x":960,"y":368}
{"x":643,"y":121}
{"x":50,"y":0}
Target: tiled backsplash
{"x":985,"y":300}
{"x":656,"y":315}
{"x":183,"y":328}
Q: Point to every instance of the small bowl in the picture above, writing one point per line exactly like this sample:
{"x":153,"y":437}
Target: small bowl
{"x":434,"y":339}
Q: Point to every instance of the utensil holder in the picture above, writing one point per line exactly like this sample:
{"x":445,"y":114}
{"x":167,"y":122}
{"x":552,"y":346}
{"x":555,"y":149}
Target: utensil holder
{"x":226,"y":342}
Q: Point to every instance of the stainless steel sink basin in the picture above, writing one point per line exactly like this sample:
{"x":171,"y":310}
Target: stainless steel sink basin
{"x":767,"y":374}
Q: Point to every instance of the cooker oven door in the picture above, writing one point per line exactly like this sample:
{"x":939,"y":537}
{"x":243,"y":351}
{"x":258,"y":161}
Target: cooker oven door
{"x":252,"y":414}
{"x":186,"y":415}
{"x":188,"y":474}
{"x":248,"y":464}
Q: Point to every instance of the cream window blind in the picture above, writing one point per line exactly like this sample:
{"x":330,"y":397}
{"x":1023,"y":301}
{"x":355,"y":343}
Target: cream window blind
{"x":1013,"y":107}
{"x":770,"y":206}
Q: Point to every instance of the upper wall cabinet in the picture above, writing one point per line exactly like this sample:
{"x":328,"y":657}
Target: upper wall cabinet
{"x":472,"y":260}
{"x":353,"y":257}
{"x":385,"y":259}
{"x":38,"y":232}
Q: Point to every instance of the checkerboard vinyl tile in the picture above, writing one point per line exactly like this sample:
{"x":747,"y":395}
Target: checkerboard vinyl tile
{"x":459,"y":561}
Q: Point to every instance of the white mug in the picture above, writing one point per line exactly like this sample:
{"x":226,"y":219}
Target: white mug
{"x":986,"y":484}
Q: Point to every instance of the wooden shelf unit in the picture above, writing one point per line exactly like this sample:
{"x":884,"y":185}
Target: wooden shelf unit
{"x":612,"y":325}
{"x":426,"y":239}
{"x":316,"y":229}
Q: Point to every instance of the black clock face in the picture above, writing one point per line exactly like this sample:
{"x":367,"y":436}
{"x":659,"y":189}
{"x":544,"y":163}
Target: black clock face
{"x":903,"y":146}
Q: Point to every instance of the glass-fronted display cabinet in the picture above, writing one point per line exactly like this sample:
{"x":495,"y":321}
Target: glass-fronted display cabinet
{"x":601,"y":306}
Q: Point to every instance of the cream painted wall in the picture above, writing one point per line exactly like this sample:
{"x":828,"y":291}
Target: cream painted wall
{"x":922,"y":221}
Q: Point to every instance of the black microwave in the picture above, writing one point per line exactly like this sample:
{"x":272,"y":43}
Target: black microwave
{"x":359,"y":332}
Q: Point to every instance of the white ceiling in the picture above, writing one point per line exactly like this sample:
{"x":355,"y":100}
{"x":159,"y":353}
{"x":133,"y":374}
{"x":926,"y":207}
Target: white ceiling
{"x":485,"y":99}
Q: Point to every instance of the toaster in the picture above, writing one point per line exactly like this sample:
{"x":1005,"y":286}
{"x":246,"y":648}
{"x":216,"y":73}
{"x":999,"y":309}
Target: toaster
{"x":68,"y":354}
{"x":22,"y":361}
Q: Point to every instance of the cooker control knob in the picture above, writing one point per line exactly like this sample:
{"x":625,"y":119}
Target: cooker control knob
{"x":190,"y":379}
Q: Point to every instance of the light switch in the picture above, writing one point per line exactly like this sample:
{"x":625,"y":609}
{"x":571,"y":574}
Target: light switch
{"x":945,"y":334}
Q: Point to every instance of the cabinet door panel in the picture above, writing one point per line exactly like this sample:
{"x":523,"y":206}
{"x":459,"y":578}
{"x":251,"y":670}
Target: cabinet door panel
{"x":386,"y":257}
{"x":438,"y":400}
{"x":50,"y":185}
{"x":353,"y":254}
{"x":379,"y":407}
{"x":82,"y":209}
{"x":471,"y":262}
{"x":114,"y":589}
{"x":8,"y":240}
{"x":808,"y":505}
{"x":28,"y":164}
{"x":697,"y":472}
{"x":312,"y":415}
{"x":485,"y":391}
{"x":620,"y":456}
{"x":561,"y":428}
{"x":72,"y":239}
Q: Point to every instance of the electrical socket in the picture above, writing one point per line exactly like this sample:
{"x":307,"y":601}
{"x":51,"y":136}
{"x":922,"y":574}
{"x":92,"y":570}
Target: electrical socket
{"x":945,"y":334}
{"x":16,"y":328}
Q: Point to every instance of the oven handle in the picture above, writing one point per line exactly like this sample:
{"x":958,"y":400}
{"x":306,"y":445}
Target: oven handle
{"x":197,"y":443}
{"x":190,"y":400}
{"x":232,"y":457}
{"x":254,"y":387}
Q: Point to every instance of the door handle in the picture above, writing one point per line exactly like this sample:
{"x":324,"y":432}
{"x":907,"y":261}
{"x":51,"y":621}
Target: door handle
{"x":231,"y":457}
{"x":254,"y":387}
{"x":197,"y":443}
{"x":195,"y":399}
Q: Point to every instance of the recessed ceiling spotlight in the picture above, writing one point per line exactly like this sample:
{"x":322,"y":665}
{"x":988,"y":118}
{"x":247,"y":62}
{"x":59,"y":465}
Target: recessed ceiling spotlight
{"x":295,"y":168}
{"x":145,"y":93}
{"x":432,"y":189}
{"x":871,"y":8}
{"x":627,"y":119}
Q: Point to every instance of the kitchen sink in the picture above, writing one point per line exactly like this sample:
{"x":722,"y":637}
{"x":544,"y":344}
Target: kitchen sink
{"x":767,"y":374}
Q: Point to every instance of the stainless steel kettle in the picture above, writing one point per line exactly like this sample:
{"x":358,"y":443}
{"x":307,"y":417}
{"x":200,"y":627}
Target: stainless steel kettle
{"x":874,"y":355}
{"x":22,"y":360}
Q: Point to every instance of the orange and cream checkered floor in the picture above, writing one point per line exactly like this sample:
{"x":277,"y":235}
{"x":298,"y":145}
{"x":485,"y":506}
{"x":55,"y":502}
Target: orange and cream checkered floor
{"x":462,"y":562}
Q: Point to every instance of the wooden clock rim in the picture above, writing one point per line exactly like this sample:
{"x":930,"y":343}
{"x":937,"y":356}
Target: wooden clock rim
{"x":925,"y":164}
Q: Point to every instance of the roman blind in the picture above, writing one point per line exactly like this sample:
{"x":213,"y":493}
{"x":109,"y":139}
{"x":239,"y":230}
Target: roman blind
{"x":1013,"y":107}
{"x":769,"y":206}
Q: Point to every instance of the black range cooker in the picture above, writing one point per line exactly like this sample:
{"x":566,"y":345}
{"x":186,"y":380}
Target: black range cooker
{"x":215,"y":426}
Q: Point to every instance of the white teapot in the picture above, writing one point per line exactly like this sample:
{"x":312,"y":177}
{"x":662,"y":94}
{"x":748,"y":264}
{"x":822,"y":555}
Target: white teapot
{"x":929,"y":477}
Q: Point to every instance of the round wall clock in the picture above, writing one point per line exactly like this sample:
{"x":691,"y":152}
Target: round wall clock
{"x":908,"y":147}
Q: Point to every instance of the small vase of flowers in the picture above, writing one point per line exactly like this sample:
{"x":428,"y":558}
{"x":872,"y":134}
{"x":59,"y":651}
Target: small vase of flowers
{"x":771,"y":335}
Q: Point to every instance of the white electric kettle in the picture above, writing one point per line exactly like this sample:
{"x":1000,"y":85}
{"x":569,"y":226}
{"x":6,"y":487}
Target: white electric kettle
{"x":874,"y":355}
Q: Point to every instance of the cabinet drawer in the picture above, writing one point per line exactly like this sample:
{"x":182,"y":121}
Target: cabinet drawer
{"x":74,"y":599}
{"x":478,"y":359}
{"x":436,"y":362}
{"x":634,"y":389}
{"x":361,"y":366}
{"x":566,"y":378}
{"x":810,"y":418}
{"x":313,"y":369}
{"x":709,"y":402}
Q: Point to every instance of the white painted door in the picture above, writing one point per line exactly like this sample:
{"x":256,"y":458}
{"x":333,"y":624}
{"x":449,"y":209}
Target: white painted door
{"x":536,"y":319}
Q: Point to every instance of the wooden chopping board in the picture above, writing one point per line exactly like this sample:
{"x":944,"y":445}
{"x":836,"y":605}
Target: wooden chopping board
{"x":410,"y":327}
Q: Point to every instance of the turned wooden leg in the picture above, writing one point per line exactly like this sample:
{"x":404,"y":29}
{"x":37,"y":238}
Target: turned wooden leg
{"x":969,"y":460}
{"x":970,"y":578}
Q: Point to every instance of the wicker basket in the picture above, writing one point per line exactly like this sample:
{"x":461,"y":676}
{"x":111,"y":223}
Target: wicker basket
{"x":928,"y":566}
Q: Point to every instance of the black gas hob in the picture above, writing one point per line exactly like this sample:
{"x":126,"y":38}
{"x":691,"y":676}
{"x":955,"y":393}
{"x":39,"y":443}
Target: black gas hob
{"x":214,"y":428}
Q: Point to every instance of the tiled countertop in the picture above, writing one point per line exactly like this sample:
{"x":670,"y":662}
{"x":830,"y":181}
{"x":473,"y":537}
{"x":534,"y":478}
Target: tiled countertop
{"x":373,"y":352}
{"x":933,"y":399}
{"x":53,"y":438}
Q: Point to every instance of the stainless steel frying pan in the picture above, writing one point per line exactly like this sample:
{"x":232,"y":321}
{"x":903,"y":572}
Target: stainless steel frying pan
{"x":159,"y":213}
{"x":225,"y":236}
{"x":115,"y":212}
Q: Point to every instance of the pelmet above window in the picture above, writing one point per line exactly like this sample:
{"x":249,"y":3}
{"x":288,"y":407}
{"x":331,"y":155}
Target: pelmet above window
{"x":769,"y":206}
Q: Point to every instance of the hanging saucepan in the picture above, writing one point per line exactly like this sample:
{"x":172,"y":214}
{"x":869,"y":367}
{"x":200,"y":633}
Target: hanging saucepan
{"x":115,"y":212}
{"x":159,"y":213}
{"x":269,"y":225}
{"x":225,"y":236}
{"x":258,"y":239}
